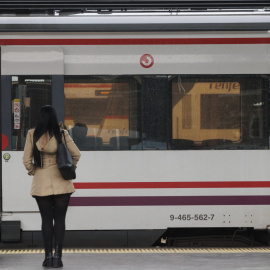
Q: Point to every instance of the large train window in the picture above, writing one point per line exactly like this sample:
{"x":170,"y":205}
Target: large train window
{"x":222,"y":112}
{"x":29,"y":93}
{"x":101,"y":113}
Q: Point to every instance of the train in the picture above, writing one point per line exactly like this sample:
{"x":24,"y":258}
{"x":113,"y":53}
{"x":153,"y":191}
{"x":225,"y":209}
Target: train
{"x":170,"y":111}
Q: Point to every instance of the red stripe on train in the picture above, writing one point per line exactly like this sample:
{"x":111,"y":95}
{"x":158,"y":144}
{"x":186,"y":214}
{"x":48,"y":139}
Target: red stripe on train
{"x":137,"y":41}
{"x":142,"y":185}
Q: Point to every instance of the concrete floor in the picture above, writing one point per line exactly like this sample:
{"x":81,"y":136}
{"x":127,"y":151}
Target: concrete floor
{"x":204,"y":261}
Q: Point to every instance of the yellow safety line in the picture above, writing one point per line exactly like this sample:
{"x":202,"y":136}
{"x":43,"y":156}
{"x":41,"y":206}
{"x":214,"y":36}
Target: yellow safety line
{"x":143,"y":250}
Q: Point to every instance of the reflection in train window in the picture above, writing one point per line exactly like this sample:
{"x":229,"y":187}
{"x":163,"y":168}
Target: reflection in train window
{"x":101,"y":113}
{"x":220,"y":111}
{"x":224,"y":112}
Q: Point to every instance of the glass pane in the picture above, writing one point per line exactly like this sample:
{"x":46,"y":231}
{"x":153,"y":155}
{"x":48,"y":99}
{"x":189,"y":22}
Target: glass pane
{"x":221,"y":112}
{"x":28,"y":95}
{"x":155,"y":101}
{"x":101,"y":113}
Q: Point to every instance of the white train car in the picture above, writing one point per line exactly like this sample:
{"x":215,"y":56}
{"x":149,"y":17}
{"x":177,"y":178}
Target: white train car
{"x":172,"y":110}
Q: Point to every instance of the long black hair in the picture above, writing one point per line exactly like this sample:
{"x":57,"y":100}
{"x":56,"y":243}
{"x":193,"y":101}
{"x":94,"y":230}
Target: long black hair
{"x":46,"y":122}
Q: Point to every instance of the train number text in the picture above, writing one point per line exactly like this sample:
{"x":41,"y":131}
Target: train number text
{"x":188,"y":217}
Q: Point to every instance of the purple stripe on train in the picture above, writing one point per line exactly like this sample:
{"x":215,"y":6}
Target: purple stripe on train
{"x":169,"y":200}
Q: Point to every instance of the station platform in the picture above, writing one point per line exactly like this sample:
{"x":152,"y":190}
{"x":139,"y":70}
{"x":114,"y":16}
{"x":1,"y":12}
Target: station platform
{"x":144,"y":259}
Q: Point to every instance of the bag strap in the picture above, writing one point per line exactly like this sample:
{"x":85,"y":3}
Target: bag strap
{"x":63,"y":134}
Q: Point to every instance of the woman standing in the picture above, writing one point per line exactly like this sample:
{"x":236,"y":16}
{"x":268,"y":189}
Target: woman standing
{"x":50,"y":190}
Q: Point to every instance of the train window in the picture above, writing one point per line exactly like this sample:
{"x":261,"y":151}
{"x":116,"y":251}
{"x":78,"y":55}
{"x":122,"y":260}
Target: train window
{"x":29,"y":93}
{"x":150,"y":112}
{"x":155,"y":91}
{"x":224,"y":112}
{"x":101,"y":113}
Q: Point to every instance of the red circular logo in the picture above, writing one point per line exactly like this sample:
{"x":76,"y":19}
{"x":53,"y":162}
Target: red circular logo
{"x":147,"y":61}
{"x":4,"y":142}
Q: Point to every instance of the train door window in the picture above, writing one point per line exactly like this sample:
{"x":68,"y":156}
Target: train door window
{"x":154,"y":102}
{"x":101,"y":113}
{"x":29,"y":93}
{"x":222,"y":112}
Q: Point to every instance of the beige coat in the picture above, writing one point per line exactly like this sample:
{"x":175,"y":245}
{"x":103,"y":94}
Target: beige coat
{"x":47,"y":179}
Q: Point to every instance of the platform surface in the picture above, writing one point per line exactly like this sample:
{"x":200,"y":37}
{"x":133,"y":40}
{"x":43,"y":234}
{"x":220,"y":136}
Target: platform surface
{"x":144,"y":259}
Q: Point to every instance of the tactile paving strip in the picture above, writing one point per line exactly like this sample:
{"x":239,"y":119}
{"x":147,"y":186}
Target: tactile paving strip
{"x":144,"y":250}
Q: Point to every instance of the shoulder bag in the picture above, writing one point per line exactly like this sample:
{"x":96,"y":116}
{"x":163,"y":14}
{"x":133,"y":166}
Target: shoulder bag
{"x":65,"y":161}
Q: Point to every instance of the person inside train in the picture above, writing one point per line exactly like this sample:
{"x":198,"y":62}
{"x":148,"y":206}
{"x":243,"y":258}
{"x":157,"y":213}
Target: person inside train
{"x":79,"y":132}
{"x":51,"y":191}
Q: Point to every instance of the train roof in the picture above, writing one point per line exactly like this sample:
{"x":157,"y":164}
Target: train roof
{"x":138,"y":22}
{"x":129,"y":4}
{"x":134,"y":15}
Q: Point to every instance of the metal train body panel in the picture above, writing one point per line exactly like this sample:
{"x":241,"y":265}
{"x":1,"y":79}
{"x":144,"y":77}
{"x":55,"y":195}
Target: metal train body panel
{"x":180,"y":54}
{"x":146,"y":189}
{"x":135,"y":209}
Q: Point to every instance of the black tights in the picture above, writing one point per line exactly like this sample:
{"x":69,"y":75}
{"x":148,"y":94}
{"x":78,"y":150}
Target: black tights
{"x":53,"y":208}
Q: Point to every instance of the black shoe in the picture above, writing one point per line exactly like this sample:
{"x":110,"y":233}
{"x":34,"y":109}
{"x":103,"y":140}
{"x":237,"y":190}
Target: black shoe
{"x":57,"y":258}
{"x":48,"y":262}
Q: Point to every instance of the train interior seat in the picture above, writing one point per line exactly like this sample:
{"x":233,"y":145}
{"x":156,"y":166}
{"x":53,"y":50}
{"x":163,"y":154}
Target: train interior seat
{"x":85,"y":143}
{"x":89,"y":143}
{"x":181,"y":144}
{"x":216,"y":143}
{"x":120,"y":143}
{"x":93,"y":143}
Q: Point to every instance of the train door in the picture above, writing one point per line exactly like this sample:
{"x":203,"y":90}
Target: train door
{"x":30,"y":78}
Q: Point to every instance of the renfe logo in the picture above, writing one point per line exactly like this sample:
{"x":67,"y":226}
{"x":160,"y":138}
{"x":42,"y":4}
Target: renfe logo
{"x":147,"y":61}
